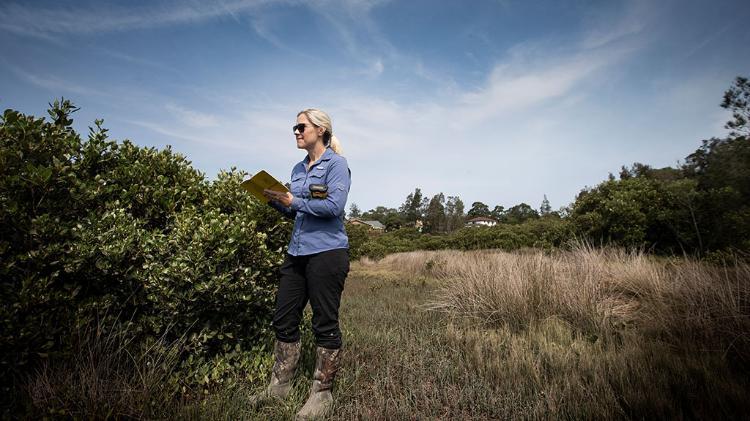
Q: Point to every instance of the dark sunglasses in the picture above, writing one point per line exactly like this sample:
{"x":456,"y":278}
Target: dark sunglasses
{"x":299,"y":127}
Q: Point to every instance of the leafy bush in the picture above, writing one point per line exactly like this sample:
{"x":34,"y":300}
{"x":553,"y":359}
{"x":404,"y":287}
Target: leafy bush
{"x":98,"y":229}
{"x":358,"y":236}
{"x":668,"y":215}
{"x":622,"y":212}
{"x":546,"y":233}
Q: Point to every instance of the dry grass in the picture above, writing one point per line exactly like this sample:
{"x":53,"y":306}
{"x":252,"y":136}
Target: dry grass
{"x":597,"y":291}
{"x":102,"y":379}
{"x":586,"y":334}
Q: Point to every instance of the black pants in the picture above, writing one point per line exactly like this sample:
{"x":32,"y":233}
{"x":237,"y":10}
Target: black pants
{"x":318,"y":278}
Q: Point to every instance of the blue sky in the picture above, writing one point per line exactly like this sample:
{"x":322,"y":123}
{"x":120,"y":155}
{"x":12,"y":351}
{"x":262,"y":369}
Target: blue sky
{"x":497,"y":101}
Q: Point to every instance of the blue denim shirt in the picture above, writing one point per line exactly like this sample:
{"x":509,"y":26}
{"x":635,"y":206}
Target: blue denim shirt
{"x":318,"y":223}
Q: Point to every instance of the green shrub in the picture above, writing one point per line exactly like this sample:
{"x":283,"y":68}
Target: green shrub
{"x":358,"y":236}
{"x":546,"y":233}
{"x":108,"y":231}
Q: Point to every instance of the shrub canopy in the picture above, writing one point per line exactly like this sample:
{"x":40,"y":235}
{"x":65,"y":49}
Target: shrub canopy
{"x":96,"y":231}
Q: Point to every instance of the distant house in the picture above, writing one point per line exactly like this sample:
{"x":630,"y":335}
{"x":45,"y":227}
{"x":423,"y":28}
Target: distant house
{"x":373,"y":225}
{"x":481,"y":221}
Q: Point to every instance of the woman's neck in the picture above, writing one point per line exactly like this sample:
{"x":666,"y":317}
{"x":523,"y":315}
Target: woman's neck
{"x":315,"y":153}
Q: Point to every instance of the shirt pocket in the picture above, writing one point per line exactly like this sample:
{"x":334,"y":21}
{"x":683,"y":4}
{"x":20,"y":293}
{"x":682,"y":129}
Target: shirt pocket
{"x":298,"y":184}
{"x":317,"y":175}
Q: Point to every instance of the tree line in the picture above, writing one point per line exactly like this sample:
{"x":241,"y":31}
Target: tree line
{"x":441,"y":214}
{"x":700,"y":207}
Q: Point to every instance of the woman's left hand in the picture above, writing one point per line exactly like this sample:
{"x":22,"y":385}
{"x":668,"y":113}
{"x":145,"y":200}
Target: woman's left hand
{"x":283,"y":198}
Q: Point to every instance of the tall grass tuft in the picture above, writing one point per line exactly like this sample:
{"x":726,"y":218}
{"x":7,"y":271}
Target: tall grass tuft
{"x":596,"y":333}
{"x":106,"y":377}
{"x":598,"y":291}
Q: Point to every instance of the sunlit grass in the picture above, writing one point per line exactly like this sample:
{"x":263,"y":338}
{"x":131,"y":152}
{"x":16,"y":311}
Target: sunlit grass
{"x":584,"y":334}
{"x":588,"y":334}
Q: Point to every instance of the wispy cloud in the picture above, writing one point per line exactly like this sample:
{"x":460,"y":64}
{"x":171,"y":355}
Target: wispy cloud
{"x":374,"y":69}
{"x":712,"y":37}
{"x":264,"y":27}
{"x":347,"y":18}
{"x":192,"y":118}
{"x":216,"y":139}
{"x":527,"y":81}
{"x":56,"y":84}
{"x":135,"y":60}
{"x":99,"y":17}
{"x":166,"y":130}
{"x":357,"y":32}
{"x":635,"y":17}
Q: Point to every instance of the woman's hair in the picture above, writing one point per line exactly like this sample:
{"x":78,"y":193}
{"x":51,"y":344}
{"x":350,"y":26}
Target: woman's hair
{"x":321,"y":119}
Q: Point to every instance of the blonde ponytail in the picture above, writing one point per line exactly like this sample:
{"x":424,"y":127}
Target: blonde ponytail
{"x":335,"y":145}
{"x":321,"y":119}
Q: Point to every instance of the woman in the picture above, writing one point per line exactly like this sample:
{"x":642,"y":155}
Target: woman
{"x":317,"y":261}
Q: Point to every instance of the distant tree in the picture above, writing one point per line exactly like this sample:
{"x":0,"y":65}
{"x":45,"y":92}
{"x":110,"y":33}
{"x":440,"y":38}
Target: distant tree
{"x":354,"y":211}
{"x":520,"y":213}
{"x":700,"y":207}
{"x":413,"y":207}
{"x":435,"y":215}
{"x":737,"y":100}
{"x":478,"y":209}
{"x":641,"y":212}
{"x":378,"y":214}
{"x":625,"y":173}
{"x":393,"y":221}
{"x":454,"y":213}
{"x":636,"y":170}
{"x":721,"y":169}
{"x":685,"y":195}
{"x":666,"y":174}
{"x":498,"y":213}
{"x":545,"y":208}
{"x":721,"y":163}
{"x":643,"y":170}
{"x":618,"y":211}
{"x":449,"y":210}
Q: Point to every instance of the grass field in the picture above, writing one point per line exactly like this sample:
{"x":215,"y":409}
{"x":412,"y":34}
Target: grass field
{"x":584,"y":334}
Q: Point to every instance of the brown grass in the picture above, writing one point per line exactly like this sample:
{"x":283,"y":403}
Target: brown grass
{"x":596,"y":291}
{"x":585,"y":334}
{"x":102,"y":379}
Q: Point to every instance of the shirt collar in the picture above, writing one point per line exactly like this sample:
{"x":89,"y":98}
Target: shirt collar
{"x":325,"y":157}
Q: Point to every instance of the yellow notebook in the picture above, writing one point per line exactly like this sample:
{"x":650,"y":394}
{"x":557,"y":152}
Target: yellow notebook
{"x":260,"y":181}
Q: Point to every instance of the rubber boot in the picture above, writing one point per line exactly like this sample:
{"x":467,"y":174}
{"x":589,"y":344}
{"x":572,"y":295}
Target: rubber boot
{"x":326,"y":365}
{"x":286,"y":356}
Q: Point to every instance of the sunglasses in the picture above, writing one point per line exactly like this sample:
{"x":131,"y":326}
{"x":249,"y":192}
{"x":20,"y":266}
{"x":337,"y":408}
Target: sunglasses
{"x":299,"y":127}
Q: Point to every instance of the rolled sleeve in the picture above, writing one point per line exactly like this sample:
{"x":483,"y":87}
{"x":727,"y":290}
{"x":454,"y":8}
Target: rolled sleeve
{"x":334,"y":204}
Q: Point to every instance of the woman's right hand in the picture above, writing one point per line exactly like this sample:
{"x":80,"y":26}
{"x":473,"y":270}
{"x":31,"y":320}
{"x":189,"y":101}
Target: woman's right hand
{"x":284,"y":198}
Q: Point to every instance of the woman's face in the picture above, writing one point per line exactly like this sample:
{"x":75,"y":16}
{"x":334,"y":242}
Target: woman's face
{"x":307,"y":138}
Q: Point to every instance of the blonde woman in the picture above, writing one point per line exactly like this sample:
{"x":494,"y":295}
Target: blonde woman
{"x":317,"y":261}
